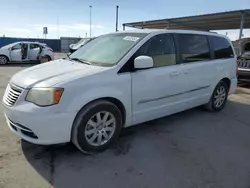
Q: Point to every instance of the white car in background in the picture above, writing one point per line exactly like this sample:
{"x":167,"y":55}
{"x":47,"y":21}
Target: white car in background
{"x":74,"y":47}
{"x":25,"y":51}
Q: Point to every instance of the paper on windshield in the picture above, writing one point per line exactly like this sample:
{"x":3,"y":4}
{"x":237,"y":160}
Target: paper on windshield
{"x":130,"y":38}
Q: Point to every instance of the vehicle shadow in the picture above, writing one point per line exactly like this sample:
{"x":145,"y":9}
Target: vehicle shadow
{"x":26,"y":64}
{"x":189,"y":149}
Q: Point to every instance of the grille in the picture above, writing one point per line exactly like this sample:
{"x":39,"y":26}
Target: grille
{"x":11,"y":95}
{"x":244,"y":64}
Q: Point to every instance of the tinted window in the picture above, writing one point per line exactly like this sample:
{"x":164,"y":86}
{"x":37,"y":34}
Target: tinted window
{"x":222,"y":48}
{"x":161,"y":49}
{"x":193,"y":47}
{"x":17,"y":46}
{"x":32,"y":46}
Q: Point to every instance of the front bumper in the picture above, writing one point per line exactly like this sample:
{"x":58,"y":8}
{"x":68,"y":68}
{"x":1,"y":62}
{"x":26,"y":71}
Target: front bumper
{"x":233,"y":85}
{"x":39,"y":128}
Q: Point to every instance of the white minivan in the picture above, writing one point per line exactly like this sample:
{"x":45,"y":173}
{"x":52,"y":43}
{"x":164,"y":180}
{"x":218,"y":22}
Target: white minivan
{"x":118,"y":80}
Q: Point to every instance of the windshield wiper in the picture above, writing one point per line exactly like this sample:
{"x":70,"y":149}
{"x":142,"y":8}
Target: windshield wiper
{"x":80,"y":60}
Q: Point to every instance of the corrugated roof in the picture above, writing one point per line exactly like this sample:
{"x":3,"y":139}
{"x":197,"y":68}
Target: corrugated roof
{"x":215,"y":21}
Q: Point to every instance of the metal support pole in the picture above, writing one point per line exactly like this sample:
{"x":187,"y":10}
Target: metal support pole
{"x":168,"y":24}
{"x":241,"y":24}
{"x":116,"y":23}
{"x":90,"y":7}
{"x":123,"y":27}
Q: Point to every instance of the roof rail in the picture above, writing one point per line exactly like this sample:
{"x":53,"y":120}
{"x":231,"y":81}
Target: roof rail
{"x":192,"y":29}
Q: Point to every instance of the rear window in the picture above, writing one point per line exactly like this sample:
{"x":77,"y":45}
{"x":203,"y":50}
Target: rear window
{"x":33,"y":46}
{"x":193,"y":47}
{"x":221,"y":47}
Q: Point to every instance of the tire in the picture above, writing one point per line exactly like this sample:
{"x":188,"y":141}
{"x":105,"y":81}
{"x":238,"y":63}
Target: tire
{"x":48,"y":57}
{"x":3,"y":60}
{"x":88,"y":135}
{"x":45,"y":59}
{"x":218,"y":98}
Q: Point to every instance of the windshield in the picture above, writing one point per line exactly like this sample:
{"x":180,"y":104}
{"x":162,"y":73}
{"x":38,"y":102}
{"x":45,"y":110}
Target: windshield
{"x":109,"y":49}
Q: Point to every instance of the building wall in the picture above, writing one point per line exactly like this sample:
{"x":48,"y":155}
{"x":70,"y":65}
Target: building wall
{"x":55,"y":44}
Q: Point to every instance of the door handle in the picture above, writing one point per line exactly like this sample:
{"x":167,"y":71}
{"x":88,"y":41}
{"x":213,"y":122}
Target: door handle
{"x":174,"y":73}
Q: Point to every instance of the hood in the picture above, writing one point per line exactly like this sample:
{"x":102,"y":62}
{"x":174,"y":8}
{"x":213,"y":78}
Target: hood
{"x":52,"y":73}
{"x":4,"y":51}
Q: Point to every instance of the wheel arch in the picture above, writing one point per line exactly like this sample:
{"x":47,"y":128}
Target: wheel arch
{"x":48,"y":56}
{"x":119,"y":105}
{"x":113,"y":100}
{"x":209,"y":106}
{"x":227,"y":81}
{"x":5,"y":56}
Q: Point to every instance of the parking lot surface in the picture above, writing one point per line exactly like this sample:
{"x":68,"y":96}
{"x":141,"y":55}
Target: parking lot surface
{"x":192,"y":149}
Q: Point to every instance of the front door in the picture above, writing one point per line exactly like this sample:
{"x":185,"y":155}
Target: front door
{"x":156,"y":92}
{"x":16,"y":53}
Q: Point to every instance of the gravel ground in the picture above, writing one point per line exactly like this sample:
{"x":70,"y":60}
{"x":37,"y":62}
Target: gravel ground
{"x":192,"y":149}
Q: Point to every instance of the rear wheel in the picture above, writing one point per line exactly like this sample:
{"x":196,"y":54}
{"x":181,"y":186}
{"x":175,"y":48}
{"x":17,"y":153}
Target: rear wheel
{"x":96,"y":126}
{"x":218,"y":98}
{"x":48,"y":57}
{"x":3,"y":60}
{"x":45,"y":58}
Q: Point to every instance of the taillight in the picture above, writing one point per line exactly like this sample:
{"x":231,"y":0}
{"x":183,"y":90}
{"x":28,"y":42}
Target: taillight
{"x":50,"y":49}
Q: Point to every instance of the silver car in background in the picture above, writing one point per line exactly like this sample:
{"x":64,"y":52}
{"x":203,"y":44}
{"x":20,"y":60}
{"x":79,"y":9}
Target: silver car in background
{"x":74,"y":47}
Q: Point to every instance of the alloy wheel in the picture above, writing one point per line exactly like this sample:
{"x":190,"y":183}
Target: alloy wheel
{"x":3,"y":60}
{"x":220,"y":97}
{"x":100,"y":128}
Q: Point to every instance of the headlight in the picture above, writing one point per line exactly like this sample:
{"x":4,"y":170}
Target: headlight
{"x":44,"y":96}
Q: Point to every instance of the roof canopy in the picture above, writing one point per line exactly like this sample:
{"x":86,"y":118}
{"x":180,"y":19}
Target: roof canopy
{"x":215,"y":21}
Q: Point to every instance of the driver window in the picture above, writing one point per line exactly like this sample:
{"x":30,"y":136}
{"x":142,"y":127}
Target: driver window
{"x":17,"y":46}
{"x":161,"y":48}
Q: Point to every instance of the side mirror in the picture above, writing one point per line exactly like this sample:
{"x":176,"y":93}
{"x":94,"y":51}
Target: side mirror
{"x":143,"y":62}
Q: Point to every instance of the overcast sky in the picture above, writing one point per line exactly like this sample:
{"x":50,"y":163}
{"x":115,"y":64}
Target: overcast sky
{"x":26,"y":18}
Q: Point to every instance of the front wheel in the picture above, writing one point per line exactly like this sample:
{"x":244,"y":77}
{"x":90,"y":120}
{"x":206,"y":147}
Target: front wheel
{"x":97,"y":126}
{"x":3,"y":60}
{"x":218,"y":98}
